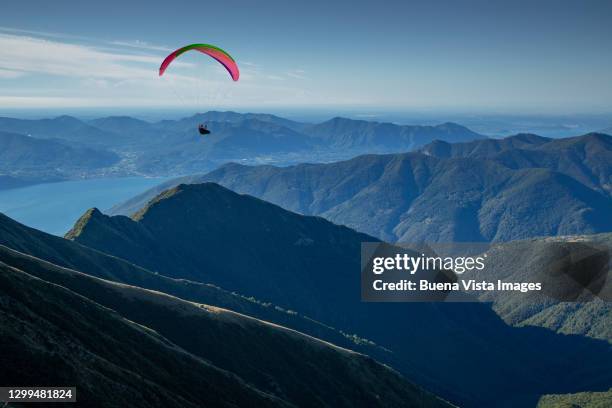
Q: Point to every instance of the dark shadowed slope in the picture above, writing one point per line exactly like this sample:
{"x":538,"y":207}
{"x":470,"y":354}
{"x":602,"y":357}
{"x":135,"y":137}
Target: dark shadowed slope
{"x":206,"y":232}
{"x":297,"y":369}
{"x":72,"y":255}
{"x":202,"y":219}
{"x":414,"y":197}
{"x":52,"y":336}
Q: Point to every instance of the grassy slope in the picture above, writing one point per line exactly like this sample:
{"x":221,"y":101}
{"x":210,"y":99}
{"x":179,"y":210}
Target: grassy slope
{"x":52,"y":336}
{"x":72,"y":255}
{"x":273,"y":358}
{"x":524,"y":261}
{"x":580,"y":400}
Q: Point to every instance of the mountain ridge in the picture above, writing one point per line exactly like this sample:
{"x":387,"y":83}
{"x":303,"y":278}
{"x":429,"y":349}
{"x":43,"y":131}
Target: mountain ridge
{"x":199,"y":329}
{"x":174,"y":147}
{"x":34,"y":331}
{"x":421,"y":197}
{"x":348,"y":133}
{"x":16,"y":238}
{"x":26,"y":156}
{"x":586,"y":158}
{"x":318,"y":275}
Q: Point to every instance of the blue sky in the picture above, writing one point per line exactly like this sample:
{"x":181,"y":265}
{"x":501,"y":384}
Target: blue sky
{"x":481,"y":56}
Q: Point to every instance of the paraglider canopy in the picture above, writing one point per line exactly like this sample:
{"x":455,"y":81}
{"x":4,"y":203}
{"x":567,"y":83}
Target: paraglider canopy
{"x":215,"y":52}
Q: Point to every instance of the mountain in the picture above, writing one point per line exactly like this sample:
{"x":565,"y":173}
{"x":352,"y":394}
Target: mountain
{"x":337,"y":133}
{"x":229,"y":117}
{"x":587,"y":158}
{"x":262,"y":138}
{"x":174,"y":147}
{"x":51,"y":335}
{"x":531,"y":261}
{"x":16,"y":239}
{"x":40,"y":160}
{"x":579,"y":400}
{"x":343,"y":133}
{"x":183,"y":151}
{"x":210,"y":234}
{"x":234,"y":349}
{"x":305,"y":241}
{"x":485,"y":148}
{"x":43,"y":127}
{"x":122,"y":125}
{"x":414,"y":197}
{"x":62,"y":127}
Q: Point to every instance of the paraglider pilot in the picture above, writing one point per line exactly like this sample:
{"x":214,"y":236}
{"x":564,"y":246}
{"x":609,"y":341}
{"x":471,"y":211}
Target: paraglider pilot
{"x":203,"y":129}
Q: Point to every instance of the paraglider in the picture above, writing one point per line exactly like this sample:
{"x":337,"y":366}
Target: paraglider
{"x":215,"y":52}
{"x":203,"y":129}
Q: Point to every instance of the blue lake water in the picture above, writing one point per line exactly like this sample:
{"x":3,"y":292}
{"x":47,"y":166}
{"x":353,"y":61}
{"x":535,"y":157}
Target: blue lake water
{"x":54,"y":207}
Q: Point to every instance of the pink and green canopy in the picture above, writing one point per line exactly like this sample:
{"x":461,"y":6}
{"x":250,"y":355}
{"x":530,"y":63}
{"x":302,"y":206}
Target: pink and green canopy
{"x":217,"y":53}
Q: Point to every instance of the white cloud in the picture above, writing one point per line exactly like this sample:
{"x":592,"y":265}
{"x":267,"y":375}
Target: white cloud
{"x":142,"y":45}
{"x":20,"y":102}
{"x":34,"y":55}
{"x":275,"y":77}
{"x":296,"y":74}
{"x":65,"y":71}
{"x":138,"y":44}
{"x":9,"y":74}
{"x":44,"y":34}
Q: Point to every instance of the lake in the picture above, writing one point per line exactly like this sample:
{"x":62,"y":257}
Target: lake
{"x":54,"y":207}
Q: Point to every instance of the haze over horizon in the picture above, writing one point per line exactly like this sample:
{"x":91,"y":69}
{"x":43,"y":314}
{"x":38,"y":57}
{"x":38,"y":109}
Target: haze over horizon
{"x":535,"y":58}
